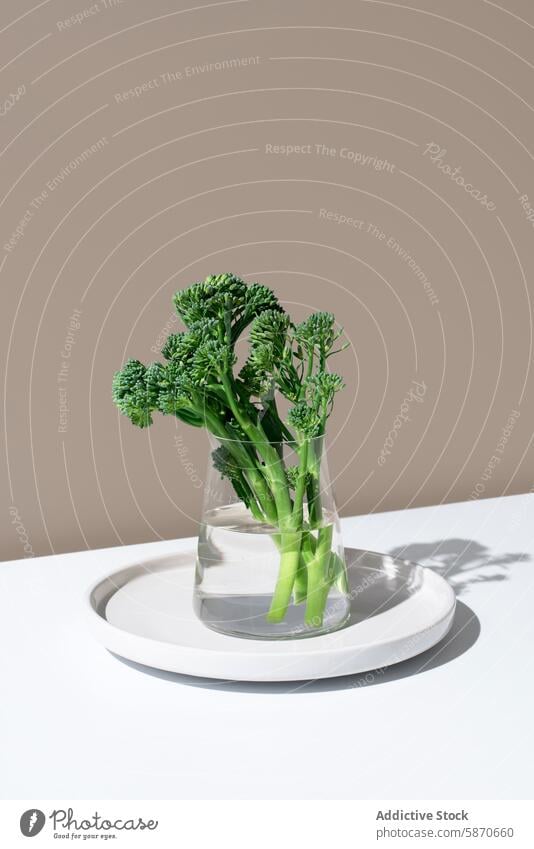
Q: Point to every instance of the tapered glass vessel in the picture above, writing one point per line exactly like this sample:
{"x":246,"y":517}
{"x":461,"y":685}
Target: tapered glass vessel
{"x":270,"y":559}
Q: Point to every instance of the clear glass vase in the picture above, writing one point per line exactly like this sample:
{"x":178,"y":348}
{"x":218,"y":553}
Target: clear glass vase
{"x":270,"y":559}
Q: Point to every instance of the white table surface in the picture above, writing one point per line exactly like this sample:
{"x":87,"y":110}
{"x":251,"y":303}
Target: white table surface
{"x":457,"y":722}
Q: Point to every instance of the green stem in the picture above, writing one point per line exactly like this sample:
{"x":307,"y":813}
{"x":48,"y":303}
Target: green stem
{"x":275,"y":474}
{"x":289,"y":564}
{"x":290,"y":561}
{"x":298,"y":501}
{"x":300,"y":587}
{"x":313,"y":490}
{"x":318,"y":579}
{"x":290,"y":521}
{"x":307,"y":553}
{"x":274,"y":470}
{"x":246,"y":464}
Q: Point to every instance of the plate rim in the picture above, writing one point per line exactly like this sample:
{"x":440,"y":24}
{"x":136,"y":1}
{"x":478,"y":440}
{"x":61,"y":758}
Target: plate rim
{"x":302,"y":648}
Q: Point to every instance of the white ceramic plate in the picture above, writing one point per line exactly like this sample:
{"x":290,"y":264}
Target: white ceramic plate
{"x":144,"y":613}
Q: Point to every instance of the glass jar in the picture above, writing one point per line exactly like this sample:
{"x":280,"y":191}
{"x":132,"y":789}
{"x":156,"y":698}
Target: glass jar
{"x":270,"y":562}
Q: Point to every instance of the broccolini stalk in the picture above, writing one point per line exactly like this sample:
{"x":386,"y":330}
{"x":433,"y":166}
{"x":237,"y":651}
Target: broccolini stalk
{"x":197,"y":385}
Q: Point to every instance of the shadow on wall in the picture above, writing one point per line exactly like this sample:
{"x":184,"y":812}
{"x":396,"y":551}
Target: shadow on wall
{"x":463,"y":562}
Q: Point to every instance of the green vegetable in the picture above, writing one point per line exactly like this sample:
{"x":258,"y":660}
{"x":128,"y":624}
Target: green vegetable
{"x":197,"y":384}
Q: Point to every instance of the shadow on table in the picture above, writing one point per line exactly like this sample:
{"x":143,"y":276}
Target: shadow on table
{"x":463,"y":634}
{"x":464,"y":562}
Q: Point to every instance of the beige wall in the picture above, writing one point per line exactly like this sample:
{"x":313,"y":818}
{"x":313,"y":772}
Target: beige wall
{"x":183,"y":178}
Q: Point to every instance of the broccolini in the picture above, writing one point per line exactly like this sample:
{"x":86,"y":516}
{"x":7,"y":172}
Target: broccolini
{"x":200,"y":385}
